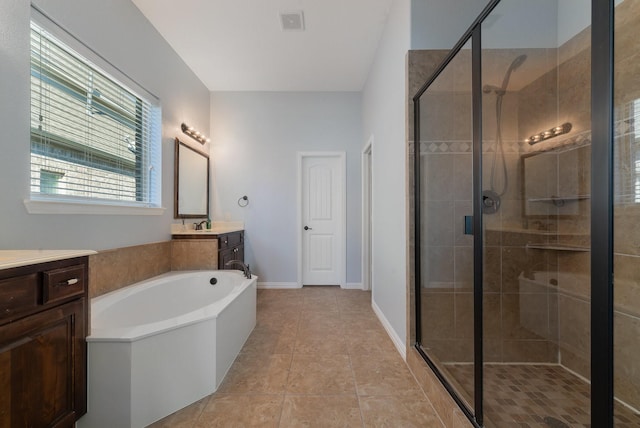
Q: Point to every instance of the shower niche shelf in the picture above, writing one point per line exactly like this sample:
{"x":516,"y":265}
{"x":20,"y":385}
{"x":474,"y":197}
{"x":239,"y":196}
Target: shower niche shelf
{"x":558,"y":247}
{"x":559,"y":201}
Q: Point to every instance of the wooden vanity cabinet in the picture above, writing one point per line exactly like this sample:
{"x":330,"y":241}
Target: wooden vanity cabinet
{"x":43,"y":329}
{"x":230,"y":247}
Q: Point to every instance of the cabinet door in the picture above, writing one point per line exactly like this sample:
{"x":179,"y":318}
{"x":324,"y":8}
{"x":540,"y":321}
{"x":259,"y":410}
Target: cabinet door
{"x":225,"y":256}
{"x":235,"y":253}
{"x":42,"y":377}
{"x":239,"y":253}
{"x":235,"y":239}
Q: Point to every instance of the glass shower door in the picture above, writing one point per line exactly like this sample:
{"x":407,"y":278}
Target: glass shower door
{"x":626,"y":178}
{"x":446,"y":288}
{"x":536,"y":136}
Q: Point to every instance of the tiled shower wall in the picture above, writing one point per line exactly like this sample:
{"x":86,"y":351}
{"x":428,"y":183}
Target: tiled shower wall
{"x":627,"y":205}
{"x":563,"y":95}
{"x":563,"y":332}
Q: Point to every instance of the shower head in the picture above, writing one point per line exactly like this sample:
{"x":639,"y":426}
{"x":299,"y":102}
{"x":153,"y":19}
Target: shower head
{"x":501,"y":90}
{"x":518,"y":62}
{"x":514,"y":65}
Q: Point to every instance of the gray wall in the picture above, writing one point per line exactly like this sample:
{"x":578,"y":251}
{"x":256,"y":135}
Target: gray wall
{"x":255,"y":138}
{"x":384,"y":115}
{"x":119,"y":32}
{"x":439,"y":24}
{"x":412,"y":24}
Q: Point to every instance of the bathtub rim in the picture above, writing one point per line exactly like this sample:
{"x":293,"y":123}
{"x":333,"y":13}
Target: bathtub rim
{"x":142,"y":331}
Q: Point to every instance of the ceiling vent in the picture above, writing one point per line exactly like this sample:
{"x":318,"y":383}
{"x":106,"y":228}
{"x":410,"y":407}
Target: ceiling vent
{"x":292,"y":21}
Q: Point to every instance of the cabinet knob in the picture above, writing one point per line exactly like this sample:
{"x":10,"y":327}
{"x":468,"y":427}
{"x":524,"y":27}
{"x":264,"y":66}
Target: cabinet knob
{"x":307,"y":228}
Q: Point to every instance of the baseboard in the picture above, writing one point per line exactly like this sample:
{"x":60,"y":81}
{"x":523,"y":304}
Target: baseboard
{"x":278,"y":285}
{"x":352,"y":286}
{"x":390,"y":331}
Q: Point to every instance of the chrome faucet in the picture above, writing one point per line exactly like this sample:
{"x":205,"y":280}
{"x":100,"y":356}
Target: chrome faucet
{"x":198,"y":226}
{"x":245,"y":267}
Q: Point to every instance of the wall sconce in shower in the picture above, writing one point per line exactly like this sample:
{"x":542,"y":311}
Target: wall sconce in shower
{"x":549,"y":133}
{"x":200,"y":138}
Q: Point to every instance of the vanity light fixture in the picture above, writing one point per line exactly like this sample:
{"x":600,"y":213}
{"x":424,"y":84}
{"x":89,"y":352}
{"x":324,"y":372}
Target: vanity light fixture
{"x":549,"y":133}
{"x":200,"y":138}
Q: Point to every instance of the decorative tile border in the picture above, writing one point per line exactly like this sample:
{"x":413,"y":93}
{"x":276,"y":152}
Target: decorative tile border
{"x":456,"y":147}
{"x":517,"y":147}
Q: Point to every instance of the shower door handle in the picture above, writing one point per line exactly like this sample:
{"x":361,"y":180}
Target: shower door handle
{"x":468,"y":225}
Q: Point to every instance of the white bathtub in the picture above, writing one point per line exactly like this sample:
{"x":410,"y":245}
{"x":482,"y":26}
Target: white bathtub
{"x":162,"y":344}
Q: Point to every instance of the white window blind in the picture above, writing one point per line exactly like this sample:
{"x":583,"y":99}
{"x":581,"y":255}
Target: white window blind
{"x":92,"y":138}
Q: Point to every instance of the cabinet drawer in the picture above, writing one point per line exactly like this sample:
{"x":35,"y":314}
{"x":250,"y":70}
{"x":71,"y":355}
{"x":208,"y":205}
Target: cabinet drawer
{"x":61,"y":283}
{"x":18,"y":295}
{"x":230,"y":240}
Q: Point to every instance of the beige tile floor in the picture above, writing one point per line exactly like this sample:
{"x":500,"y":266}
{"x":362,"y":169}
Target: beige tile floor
{"x":318,"y":357}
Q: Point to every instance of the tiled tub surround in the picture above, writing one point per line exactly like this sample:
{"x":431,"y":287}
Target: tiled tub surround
{"x":317,"y":357}
{"x":189,"y":254}
{"x":113,"y":269}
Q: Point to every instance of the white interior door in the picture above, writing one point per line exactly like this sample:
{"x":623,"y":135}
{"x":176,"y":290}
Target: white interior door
{"x":322,"y":219}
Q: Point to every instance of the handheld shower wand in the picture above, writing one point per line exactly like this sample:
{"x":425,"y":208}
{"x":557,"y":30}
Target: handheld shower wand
{"x":491,"y":197}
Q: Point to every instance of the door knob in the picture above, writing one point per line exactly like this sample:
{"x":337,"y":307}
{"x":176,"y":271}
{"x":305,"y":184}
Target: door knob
{"x":307,"y":228}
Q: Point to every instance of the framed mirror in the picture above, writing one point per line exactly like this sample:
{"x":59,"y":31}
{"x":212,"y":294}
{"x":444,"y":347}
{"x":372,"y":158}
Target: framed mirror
{"x":191,"y":198}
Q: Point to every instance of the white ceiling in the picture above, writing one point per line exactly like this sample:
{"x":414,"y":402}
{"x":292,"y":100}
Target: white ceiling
{"x":238,"y":45}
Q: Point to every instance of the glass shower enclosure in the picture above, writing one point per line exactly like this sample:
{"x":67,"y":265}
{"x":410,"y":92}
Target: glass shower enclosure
{"x":527,"y":201}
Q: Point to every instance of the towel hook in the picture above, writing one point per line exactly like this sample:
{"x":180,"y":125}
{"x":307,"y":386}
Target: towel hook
{"x":244,"y":198}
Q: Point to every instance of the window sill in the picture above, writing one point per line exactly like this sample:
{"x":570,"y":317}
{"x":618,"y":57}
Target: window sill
{"x":47,"y":206}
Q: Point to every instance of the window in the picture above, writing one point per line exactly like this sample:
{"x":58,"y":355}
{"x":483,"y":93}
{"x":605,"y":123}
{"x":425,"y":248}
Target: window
{"x":50,"y":181}
{"x":92,"y":138}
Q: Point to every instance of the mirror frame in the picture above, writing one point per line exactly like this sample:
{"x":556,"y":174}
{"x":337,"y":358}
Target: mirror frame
{"x":190,"y":177}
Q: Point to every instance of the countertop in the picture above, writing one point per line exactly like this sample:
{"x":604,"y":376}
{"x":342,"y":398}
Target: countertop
{"x":16,"y":258}
{"x":217,"y":228}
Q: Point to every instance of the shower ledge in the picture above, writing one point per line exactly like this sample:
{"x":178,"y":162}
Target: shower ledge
{"x":537,"y":232}
{"x":558,"y":247}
